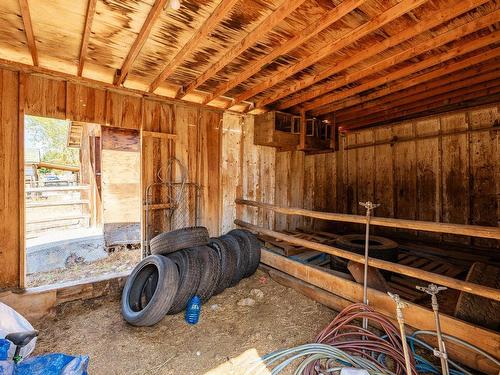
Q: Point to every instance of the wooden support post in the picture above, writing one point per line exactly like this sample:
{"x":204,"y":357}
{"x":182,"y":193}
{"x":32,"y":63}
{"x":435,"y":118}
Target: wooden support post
{"x":303,"y":130}
{"x":417,"y":273}
{"x":429,"y":226}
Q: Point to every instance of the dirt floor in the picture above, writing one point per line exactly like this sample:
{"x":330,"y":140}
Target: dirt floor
{"x":227,"y":338}
{"x":119,"y":261}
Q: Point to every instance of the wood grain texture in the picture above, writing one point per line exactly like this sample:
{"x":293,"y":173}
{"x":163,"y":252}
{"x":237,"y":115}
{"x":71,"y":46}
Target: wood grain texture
{"x":9,"y":184}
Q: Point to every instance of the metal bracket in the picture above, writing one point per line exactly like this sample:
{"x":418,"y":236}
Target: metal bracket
{"x":370,"y":206}
{"x":432,"y":289}
{"x":439,"y":354}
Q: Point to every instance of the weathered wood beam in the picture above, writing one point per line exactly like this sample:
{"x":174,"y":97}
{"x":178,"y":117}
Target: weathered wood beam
{"x":208,"y":26}
{"x":429,"y":226}
{"x":491,"y":55}
{"x":306,"y":34}
{"x":28,"y":30}
{"x":415,"y":100}
{"x":468,"y":287}
{"x":143,"y":35}
{"x":286,"y":8}
{"x":421,"y":317}
{"x":434,"y":20}
{"x":490,"y":88}
{"x":435,"y":87}
{"x":86,"y":35}
{"x":464,"y":48}
{"x":329,"y":48}
{"x":395,"y":59}
{"x":303,"y":130}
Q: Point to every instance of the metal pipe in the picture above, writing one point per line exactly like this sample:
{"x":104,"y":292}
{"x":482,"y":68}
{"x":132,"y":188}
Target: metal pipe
{"x":369,"y":208}
{"x":433,"y":290}
{"x":400,"y":305}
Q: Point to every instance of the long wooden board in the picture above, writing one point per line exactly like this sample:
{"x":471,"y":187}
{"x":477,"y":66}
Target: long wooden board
{"x":415,"y":316}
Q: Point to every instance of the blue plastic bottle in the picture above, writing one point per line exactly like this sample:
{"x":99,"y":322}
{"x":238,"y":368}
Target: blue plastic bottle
{"x":193,"y":310}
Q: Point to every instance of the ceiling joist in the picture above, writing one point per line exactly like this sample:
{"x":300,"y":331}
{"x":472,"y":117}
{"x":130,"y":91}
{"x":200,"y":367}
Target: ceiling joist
{"x":287,"y":8}
{"x":28,"y":29}
{"x":208,"y":26}
{"x":488,"y":89}
{"x":86,"y":35}
{"x":414,"y":68}
{"x":442,"y":16}
{"x":143,"y":35}
{"x":329,"y":48}
{"x":306,"y":34}
{"x":441,"y":86}
{"x":392,"y":88}
{"x":397,"y":58}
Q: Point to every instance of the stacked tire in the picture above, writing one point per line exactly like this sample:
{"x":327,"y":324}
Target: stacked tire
{"x":184,"y":263}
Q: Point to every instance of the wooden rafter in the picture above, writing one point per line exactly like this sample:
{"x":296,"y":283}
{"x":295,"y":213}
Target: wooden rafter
{"x":208,"y":26}
{"x":454,"y":52}
{"x":491,"y":89}
{"x":253,"y":37}
{"x":28,"y":29}
{"x":397,"y":58}
{"x":402,"y":98}
{"x":448,"y":69}
{"x":143,"y":35}
{"x":329,"y":48}
{"x":309,"y":32}
{"x":440,"y":17}
{"x":86,"y":35}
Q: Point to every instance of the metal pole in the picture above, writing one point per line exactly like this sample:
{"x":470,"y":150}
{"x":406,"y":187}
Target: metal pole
{"x":433,"y":290}
{"x":369,"y":208}
{"x":400,"y":305}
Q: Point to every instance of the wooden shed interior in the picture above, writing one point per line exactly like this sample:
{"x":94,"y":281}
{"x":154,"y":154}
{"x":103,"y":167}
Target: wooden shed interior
{"x":282,"y":116}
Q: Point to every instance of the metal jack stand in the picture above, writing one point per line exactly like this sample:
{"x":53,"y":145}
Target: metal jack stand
{"x":433,"y":290}
{"x":369,"y":208}
{"x":400,"y":305}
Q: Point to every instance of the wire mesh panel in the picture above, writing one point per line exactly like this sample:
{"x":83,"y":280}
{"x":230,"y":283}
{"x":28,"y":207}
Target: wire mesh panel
{"x":171,"y":203}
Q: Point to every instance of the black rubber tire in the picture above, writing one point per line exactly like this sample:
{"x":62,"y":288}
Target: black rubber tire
{"x":139,"y":313}
{"x":478,"y":310}
{"x":189,"y":268}
{"x":169,"y":242}
{"x":227,"y":261}
{"x":210,"y":271}
{"x":251,"y":247}
{"x":233,"y":245}
{"x":380,"y":247}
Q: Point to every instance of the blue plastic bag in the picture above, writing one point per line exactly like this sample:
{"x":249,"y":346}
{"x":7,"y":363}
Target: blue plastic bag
{"x":49,"y":364}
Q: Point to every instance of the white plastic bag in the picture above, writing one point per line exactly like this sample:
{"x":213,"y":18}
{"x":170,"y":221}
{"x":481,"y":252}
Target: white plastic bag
{"x":10,"y":322}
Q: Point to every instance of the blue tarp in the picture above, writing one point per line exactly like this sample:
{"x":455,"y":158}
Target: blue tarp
{"x":49,"y":364}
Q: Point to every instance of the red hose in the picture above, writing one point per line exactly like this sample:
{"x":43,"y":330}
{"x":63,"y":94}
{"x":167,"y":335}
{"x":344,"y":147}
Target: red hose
{"x":344,"y":334}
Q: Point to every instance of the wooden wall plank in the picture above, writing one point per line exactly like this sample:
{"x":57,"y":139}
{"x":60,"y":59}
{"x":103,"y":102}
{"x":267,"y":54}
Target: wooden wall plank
{"x":428,"y":161}
{"x":209,"y":170}
{"x":230,"y":168}
{"x":123,"y":111}
{"x":85,"y":104}
{"x":281,"y":198}
{"x":455,"y":164}
{"x":9,"y":183}
{"x":295,"y":190}
{"x":45,"y":97}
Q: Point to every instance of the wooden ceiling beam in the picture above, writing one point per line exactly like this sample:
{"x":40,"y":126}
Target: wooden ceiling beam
{"x":286,"y":8}
{"x":143,"y":35}
{"x":488,"y":56}
{"x":436,"y":19}
{"x":490,"y":89}
{"x":467,"y":47}
{"x":28,"y":30}
{"x":208,"y":26}
{"x":86,"y":35}
{"x":440,"y":93}
{"x":398,"y":99}
{"x":329,"y":48}
{"x":302,"y":37}
{"x":362,"y":108}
